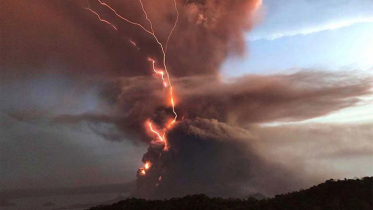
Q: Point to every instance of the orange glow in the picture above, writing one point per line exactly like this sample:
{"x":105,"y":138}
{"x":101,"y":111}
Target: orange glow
{"x":160,"y":137}
{"x":151,"y":32}
{"x":173,"y":106}
{"x":155,"y":132}
{"x":162,"y":72}
{"x":163,"y":51}
{"x":165,"y":84}
{"x":147,"y":165}
{"x":258,"y":4}
{"x":170,"y":123}
{"x":157,"y":71}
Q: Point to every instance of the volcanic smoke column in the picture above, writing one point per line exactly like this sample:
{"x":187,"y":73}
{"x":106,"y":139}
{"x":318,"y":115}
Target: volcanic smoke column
{"x":158,"y":160}
{"x":220,"y":27}
{"x":152,"y":159}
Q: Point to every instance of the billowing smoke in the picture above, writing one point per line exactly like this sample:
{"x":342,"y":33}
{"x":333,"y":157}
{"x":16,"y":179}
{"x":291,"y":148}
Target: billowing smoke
{"x":239,"y":102}
{"x":208,"y":149}
{"x":207,"y":156}
{"x":206,"y":32}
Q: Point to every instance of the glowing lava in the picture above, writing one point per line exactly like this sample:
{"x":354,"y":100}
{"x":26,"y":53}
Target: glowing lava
{"x":147,"y":165}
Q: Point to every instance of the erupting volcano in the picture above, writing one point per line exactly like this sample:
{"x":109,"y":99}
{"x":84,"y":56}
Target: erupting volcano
{"x":160,"y":84}
{"x":149,"y":177}
{"x":164,"y":96}
{"x":160,"y":77}
{"x":157,"y":132}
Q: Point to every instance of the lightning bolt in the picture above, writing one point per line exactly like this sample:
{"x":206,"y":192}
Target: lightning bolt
{"x":167,"y":84}
{"x":164,"y":55}
{"x":161,"y":138}
{"x":155,"y":132}
{"x":123,"y":18}
{"x":151,"y":32}
{"x":99,"y":17}
{"x":158,"y":72}
{"x":175,"y":24}
{"x":133,"y":43}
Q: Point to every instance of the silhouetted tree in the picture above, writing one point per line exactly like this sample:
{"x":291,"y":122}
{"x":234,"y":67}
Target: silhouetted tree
{"x":348,"y":194}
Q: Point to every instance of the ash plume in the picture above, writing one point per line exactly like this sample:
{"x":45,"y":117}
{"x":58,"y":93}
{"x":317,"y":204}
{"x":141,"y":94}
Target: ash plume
{"x":206,"y":32}
{"x":207,"y":156}
{"x":239,"y":102}
{"x":210,"y":146}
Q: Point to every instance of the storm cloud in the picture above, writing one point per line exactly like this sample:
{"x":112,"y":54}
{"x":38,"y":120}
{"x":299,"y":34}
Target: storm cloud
{"x":239,"y":101}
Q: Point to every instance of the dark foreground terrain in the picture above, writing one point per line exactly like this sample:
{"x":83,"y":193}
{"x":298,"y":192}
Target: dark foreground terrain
{"x":331,"y":195}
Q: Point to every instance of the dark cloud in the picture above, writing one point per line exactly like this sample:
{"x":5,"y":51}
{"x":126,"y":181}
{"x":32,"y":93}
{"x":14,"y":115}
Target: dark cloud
{"x":326,"y":150}
{"x":37,"y":156}
{"x":212,"y":157}
{"x":240,"y":101}
{"x":293,"y":97}
{"x":207,"y":156}
{"x":217,"y":157}
{"x":62,"y":33}
{"x":306,"y":139}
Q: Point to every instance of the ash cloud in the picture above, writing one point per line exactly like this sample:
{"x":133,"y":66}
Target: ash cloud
{"x":63,"y":33}
{"x":240,"y":102}
{"x":207,"y":156}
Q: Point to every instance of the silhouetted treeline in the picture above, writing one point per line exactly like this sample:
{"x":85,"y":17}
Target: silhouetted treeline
{"x":330,"y":195}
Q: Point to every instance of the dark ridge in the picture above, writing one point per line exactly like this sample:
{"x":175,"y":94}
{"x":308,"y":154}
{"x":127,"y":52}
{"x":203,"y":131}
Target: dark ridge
{"x":347,"y":194}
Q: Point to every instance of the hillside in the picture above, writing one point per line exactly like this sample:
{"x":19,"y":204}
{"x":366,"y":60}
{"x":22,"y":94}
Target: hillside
{"x":352,"y":194}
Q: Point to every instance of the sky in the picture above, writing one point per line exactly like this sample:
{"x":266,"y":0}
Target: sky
{"x":292,"y":36}
{"x":329,"y":35}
